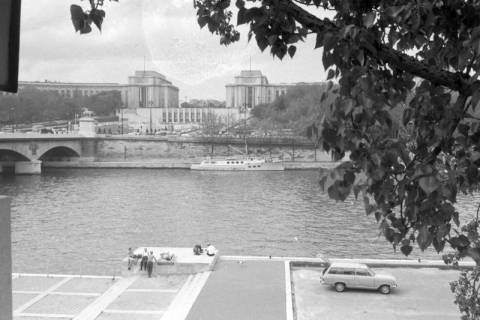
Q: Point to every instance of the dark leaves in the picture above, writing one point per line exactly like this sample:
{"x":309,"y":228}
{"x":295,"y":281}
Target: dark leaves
{"x":82,"y":20}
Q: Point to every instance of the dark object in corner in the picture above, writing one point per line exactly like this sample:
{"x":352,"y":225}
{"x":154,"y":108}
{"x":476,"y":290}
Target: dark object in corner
{"x":9,"y":44}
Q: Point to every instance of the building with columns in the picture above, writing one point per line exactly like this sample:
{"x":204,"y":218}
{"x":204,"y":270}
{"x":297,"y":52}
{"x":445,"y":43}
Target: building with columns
{"x":150,"y":89}
{"x":145,"y":89}
{"x":252,"y":88}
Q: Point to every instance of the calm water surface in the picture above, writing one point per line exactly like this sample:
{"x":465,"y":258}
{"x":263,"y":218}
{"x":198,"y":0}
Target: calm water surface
{"x":83,"y":221}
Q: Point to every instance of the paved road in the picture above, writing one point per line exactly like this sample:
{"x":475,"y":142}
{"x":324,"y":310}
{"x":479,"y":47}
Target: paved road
{"x":243,"y":291}
{"x":422,"y":294}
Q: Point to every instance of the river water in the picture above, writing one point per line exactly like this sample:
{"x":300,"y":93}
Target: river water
{"x":83,"y":221}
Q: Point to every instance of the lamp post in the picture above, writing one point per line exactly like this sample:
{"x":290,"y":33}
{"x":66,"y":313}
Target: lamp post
{"x":121,"y":115}
{"x":12,"y":110}
{"x":151,"y":105}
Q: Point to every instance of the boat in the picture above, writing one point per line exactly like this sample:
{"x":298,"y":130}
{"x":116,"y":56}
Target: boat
{"x":239,"y":164}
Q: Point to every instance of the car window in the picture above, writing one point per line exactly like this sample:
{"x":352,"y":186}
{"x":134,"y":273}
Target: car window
{"x":350,"y":272}
{"x":334,"y":271}
{"x":362,"y":272}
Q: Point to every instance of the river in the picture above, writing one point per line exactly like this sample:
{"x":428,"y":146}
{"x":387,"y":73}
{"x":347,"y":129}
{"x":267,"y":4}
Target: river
{"x":83,"y":221}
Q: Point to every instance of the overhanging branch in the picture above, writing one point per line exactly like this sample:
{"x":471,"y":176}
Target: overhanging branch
{"x":383,"y":53}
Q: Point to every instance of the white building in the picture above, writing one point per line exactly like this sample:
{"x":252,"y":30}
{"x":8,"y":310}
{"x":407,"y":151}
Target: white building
{"x":251,"y":88}
{"x":145,"y":89}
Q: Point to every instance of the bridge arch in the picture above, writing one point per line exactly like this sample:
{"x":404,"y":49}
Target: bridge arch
{"x":8,"y":155}
{"x":59,"y":153}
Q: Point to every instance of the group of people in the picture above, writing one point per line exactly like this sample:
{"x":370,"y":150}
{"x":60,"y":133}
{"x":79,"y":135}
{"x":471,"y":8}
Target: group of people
{"x":147,"y":259}
{"x":210,"y":250}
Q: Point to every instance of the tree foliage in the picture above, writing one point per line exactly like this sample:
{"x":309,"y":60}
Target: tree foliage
{"x":298,"y":109}
{"x":32,"y":105}
{"x":82,"y":19}
{"x":380,"y":52}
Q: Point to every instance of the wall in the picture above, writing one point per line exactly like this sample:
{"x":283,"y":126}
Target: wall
{"x":5,"y":260}
{"x":159,"y":150}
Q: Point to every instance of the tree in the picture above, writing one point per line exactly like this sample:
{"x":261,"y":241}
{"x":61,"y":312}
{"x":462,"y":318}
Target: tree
{"x":379,"y":52}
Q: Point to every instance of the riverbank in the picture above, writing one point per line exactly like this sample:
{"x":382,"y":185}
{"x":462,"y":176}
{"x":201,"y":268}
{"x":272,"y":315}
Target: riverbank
{"x":172,"y":164}
{"x":239,"y":287}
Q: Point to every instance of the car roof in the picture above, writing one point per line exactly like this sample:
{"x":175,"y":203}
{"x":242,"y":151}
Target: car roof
{"x":348,"y":265}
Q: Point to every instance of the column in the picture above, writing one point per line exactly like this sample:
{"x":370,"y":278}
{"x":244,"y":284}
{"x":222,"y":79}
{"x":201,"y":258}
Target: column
{"x":5,"y":259}
{"x":165,"y":97}
{"x":28,"y":167}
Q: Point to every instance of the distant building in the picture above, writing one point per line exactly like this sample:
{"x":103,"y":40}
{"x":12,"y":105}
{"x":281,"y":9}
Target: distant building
{"x":145,"y":89}
{"x":251,"y":88}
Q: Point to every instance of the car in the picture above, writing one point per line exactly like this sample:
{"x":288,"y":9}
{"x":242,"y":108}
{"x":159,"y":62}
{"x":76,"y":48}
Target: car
{"x":357,"y":275}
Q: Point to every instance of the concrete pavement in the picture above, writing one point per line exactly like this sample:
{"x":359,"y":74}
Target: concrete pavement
{"x":421,"y":294}
{"x":239,"y":290}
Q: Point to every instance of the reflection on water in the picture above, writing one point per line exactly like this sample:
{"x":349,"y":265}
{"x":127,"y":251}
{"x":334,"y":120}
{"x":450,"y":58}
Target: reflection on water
{"x":84,"y":220}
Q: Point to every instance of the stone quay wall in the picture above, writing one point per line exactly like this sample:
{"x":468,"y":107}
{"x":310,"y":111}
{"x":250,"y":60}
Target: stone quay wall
{"x":194,"y":149}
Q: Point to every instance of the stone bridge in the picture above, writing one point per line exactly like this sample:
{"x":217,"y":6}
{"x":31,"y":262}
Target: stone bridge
{"x":24,"y":153}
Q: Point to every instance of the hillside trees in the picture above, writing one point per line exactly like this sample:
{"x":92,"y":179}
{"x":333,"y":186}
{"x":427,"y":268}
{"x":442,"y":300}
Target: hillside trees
{"x":32,"y":105}
{"x":299,"y":108}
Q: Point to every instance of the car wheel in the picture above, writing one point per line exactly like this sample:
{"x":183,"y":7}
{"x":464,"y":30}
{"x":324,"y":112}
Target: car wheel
{"x":340,"y":287}
{"x":385,"y":289}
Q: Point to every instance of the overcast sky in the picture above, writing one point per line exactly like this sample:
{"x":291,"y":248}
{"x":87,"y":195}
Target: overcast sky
{"x":165,"y":32}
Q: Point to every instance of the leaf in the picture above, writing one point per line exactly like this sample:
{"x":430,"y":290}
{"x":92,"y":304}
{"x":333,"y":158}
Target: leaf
{"x":97,"y":17}
{"x":262,"y":42}
{"x":241,"y":16}
{"x":78,"y":17}
{"x":368,"y":19}
{"x":291,"y":51}
{"x":438,"y":245}
{"x":424,"y":238}
{"x":394,"y":11}
{"x":406,"y":249}
{"x":319,"y":40}
{"x":459,"y":242}
{"x":330,"y":75}
{"x":429,"y":184}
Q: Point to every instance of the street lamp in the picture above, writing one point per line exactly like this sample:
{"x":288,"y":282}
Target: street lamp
{"x":151,"y":105}
{"x":121,"y":115}
{"x":12,"y":115}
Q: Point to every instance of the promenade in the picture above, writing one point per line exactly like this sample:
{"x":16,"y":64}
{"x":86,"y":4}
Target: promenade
{"x":240,"y":288}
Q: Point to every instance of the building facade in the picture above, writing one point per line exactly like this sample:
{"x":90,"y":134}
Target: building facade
{"x":145,"y":89}
{"x":252,"y":88}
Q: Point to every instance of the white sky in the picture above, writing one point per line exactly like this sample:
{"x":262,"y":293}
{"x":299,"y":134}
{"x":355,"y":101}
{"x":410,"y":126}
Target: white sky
{"x":164,"y":31}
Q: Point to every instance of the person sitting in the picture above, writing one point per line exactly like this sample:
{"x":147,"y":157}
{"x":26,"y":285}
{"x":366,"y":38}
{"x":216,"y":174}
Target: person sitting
{"x":167,"y":256}
{"x":211,"y":251}
{"x":197,"y":250}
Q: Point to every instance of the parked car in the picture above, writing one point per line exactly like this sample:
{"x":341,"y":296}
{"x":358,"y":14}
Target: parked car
{"x":357,"y":275}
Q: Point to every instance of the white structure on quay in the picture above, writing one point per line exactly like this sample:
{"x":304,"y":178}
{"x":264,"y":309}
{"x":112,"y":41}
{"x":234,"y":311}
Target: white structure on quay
{"x":251,"y":88}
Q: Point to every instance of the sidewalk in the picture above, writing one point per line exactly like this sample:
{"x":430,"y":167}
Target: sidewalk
{"x":243,"y":290}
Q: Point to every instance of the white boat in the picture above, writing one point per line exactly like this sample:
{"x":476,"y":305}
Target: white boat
{"x":239,"y":164}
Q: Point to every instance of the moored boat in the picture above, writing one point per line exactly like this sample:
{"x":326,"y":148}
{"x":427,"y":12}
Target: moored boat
{"x":239,"y":164}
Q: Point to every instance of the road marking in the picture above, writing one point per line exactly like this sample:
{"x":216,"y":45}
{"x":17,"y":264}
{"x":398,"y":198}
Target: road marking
{"x":60,"y":293}
{"x":115,"y":311}
{"x":46,"y":315}
{"x":39,"y":297}
{"x":93,"y":310}
{"x":152,"y":290}
{"x":47,"y":275}
{"x":186,"y":297}
{"x":288,"y":291}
